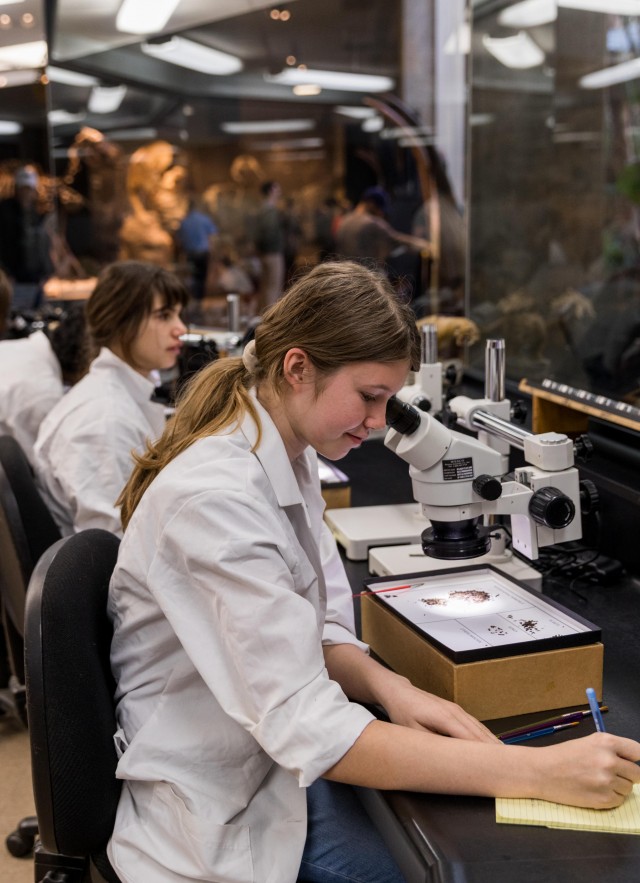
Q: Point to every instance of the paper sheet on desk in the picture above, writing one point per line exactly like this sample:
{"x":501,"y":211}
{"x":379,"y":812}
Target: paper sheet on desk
{"x":623,"y":819}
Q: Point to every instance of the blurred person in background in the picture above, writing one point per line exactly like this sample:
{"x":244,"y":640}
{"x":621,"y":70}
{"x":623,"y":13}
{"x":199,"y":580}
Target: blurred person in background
{"x":35,"y":372}
{"x":83,"y":454}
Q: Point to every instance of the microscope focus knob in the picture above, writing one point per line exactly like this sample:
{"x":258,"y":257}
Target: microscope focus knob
{"x":551,"y":507}
{"x":589,"y":497}
{"x":487,"y":487}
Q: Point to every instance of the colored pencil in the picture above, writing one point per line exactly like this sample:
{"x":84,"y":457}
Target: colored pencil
{"x":549,"y":722}
{"x":534,"y":734}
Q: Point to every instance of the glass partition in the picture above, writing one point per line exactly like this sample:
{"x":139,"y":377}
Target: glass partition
{"x":320,"y":98}
{"x":555,"y":190}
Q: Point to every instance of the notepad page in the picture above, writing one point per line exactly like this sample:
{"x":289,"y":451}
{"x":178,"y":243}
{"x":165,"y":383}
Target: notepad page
{"x":624,"y":819}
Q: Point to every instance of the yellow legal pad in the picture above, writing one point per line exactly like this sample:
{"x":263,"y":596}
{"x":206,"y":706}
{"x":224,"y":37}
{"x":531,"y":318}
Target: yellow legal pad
{"x":623,"y":819}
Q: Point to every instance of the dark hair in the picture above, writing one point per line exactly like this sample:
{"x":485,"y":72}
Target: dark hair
{"x":6,"y":293}
{"x":123,"y":298}
{"x":378,"y":197}
{"x":267,"y":187}
{"x":338,"y":313}
{"x":71,"y":343}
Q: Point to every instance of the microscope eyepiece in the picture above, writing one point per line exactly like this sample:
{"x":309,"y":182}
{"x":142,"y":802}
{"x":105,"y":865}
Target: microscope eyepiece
{"x":401,"y":416}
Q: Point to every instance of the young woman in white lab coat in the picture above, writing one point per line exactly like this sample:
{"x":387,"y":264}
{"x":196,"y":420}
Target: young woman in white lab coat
{"x":239,"y":673}
{"x":83,"y":451}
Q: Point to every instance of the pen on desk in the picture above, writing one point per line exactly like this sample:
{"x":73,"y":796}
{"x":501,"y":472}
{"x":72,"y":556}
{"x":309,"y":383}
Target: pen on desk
{"x":533,"y":734}
{"x":595,"y":710}
{"x":549,"y":722}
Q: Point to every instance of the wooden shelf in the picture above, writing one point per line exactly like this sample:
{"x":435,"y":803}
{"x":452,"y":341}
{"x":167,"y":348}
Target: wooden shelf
{"x":568,"y":411}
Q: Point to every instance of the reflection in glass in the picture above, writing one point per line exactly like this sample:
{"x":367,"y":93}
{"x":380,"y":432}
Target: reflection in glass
{"x":555,"y":196}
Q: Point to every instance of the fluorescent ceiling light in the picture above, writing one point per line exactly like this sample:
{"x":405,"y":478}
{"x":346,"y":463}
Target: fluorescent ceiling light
{"x":70,"y":78}
{"x":140,"y":134}
{"x":143,"y":16}
{"x":195,"y":56}
{"x":289,"y":144}
{"x":374,"y":124}
{"x":610,"y":76}
{"x":532,"y":13}
{"x":253,"y":128}
{"x":307,"y":89}
{"x":18,"y":78}
{"x":294,"y":76}
{"x":8,"y":127}
{"x":612,"y":7}
{"x":518,"y":52}
{"x":356,"y":113}
{"x":23,"y":55}
{"x":106,"y":99}
{"x":10,"y":2}
{"x":529,"y":14}
{"x":61,"y":117}
{"x":481,"y":119}
{"x":407,"y":132}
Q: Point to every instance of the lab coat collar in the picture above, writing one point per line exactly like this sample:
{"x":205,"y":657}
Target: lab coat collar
{"x":140,"y":387}
{"x":273,"y":457}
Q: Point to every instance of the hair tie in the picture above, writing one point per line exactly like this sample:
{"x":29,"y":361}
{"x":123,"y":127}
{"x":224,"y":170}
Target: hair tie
{"x":249,"y":357}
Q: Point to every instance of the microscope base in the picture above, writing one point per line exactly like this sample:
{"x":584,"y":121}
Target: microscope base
{"x":359,"y":528}
{"x":391,"y":560}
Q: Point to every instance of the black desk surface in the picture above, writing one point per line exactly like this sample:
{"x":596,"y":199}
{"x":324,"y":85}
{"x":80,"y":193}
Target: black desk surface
{"x":442,"y":839}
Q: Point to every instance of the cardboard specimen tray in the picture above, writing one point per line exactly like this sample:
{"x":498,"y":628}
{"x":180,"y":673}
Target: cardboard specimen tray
{"x":482,"y":639}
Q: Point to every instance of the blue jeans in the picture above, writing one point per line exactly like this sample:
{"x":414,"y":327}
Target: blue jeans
{"x":342,"y":844}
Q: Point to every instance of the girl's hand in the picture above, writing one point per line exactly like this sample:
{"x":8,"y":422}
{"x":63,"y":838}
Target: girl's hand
{"x":597,"y":771}
{"x":411,"y":707}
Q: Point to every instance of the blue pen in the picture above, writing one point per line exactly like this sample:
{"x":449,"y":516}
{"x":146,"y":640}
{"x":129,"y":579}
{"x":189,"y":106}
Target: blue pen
{"x":547,"y":731}
{"x":595,"y":710}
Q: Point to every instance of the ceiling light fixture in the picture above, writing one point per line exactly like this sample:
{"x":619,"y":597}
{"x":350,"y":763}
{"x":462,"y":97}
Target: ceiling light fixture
{"x":611,"y":7}
{"x":532,"y":13}
{"x":256,"y":126}
{"x":18,"y":78}
{"x":140,"y":134}
{"x":106,"y":99}
{"x":69,"y":78}
{"x":8,"y":127}
{"x":23,"y":55}
{"x":518,"y":52}
{"x":611,"y":76}
{"x":142,"y":17}
{"x":373,"y":124}
{"x":10,"y":2}
{"x":356,"y":113}
{"x":289,"y":144}
{"x":194,"y":56}
{"x":338,"y":80}
{"x":529,"y":14}
{"x":307,"y":89}
{"x":61,"y":117}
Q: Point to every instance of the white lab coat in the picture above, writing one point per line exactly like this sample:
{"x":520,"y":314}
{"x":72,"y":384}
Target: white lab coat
{"x":30,"y":385}
{"x":83,"y":452}
{"x":225,"y":707}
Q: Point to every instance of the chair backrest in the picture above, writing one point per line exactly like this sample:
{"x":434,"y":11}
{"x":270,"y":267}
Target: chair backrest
{"x":70,"y":694}
{"x":27,"y":529}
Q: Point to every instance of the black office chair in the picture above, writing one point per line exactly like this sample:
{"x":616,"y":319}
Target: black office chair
{"x":70,"y":706}
{"x":26,"y":531}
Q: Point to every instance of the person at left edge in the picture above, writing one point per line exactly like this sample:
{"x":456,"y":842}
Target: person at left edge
{"x":83,"y":454}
